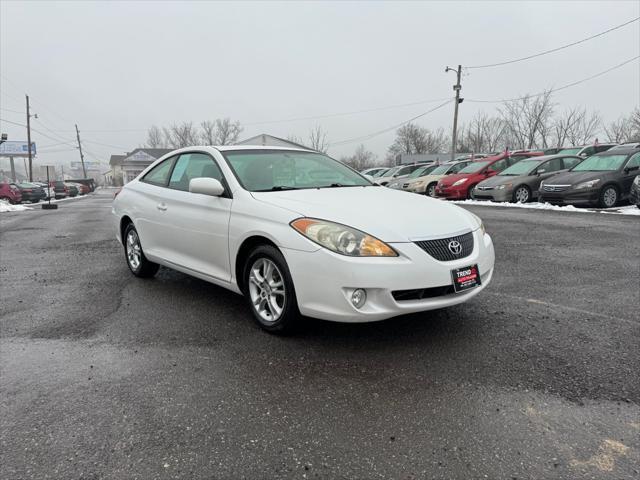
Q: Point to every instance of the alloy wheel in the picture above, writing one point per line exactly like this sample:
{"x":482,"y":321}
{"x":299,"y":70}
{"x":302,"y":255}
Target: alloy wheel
{"x":134,"y":251}
{"x":610,"y":197}
{"x":267,"y":289}
{"x":522,"y":195}
{"x":431,"y":190}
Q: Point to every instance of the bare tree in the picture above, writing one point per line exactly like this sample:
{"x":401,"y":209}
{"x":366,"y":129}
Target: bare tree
{"x":620,"y":130}
{"x":361,"y":159}
{"x":528,"y":120}
{"x":411,"y":138}
{"x":181,"y":135}
{"x":220,"y":132}
{"x":483,"y":134}
{"x":318,"y":139}
{"x":155,"y":138}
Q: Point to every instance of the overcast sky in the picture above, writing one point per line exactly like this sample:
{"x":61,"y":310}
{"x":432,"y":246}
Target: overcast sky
{"x":127,"y":65}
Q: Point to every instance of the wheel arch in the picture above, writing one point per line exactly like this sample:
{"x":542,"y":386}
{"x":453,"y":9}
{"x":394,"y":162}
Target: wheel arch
{"x":124,"y":221}
{"x":247,"y":245}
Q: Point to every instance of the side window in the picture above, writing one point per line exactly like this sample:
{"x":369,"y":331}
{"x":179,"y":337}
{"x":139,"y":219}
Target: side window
{"x":602,"y":148}
{"x":634,"y":161}
{"x":570,"y":162}
{"x":553,"y":165}
{"x":458,"y":166}
{"x":499,"y":165}
{"x":159,"y":175}
{"x":193,"y":165}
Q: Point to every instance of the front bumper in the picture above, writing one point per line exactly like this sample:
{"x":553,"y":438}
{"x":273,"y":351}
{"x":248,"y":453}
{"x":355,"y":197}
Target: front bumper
{"x":586,"y":196}
{"x":494,"y":195}
{"x":324,"y":281}
{"x":452,"y":193}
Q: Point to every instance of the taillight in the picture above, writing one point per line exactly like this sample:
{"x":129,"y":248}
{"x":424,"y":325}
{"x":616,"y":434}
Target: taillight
{"x":117,"y":192}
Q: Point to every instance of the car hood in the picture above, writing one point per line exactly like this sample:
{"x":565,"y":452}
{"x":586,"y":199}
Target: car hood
{"x":502,"y":179}
{"x":428,"y":178}
{"x":573,"y":178}
{"x":451,"y":179}
{"x":387,"y":214}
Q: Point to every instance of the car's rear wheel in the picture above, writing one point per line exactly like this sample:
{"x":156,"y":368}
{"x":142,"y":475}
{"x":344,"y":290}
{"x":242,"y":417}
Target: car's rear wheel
{"x":431,"y":190}
{"x":269,"y":290}
{"x":608,"y":196}
{"x":521,"y":194}
{"x":136,"y":260}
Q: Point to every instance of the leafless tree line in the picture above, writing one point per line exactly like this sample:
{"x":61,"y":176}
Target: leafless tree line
{"x":185,"y":134}
{"x":316,"y":140}
{"x":361,"y":159}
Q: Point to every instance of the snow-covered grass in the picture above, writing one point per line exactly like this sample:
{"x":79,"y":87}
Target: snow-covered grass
{"x":623,"y":210}
{"x":7,"y":207}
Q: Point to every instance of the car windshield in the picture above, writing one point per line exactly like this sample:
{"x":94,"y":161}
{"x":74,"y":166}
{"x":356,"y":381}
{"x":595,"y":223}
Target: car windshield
{"x":570,"y":151}
{"x":600,"y":163}
{"x":422,"y":171}
{"x":380,"y":173}
{"x":523,"y":167}
{"x":441,"y":170}
{"x":474,"y":167}
{"x":272,"y":170}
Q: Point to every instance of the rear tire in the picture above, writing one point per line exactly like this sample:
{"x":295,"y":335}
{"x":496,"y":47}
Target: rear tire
{"x":269,"y":290}
{"x":608,"y":196}
{"x":133,"y":254}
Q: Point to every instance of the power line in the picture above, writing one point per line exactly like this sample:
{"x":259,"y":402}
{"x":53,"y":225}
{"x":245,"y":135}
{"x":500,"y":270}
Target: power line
{"x":573,"y":84}
{"x":380,"y":132}
{"x":105,"y":144}
{"x":12,"y":111}
{"x":341,"y":114}
{"x":13,"y":123}
{"x":555,"y":49}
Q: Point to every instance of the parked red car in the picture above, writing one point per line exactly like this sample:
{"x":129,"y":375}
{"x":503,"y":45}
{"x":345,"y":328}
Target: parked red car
{"x":460,"y":185}
{"x":10,"y":192}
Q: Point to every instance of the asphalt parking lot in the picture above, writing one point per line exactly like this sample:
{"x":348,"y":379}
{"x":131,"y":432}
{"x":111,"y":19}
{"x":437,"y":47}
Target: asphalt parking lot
{"x":104,"y":375}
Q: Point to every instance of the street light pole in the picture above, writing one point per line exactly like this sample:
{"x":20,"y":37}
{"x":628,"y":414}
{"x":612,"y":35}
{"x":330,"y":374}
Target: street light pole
{"x":457,"y":87}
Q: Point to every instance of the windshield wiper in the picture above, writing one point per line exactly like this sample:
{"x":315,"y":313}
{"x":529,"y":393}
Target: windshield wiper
{"x":339,"y":185}
{"x":277,"y":188}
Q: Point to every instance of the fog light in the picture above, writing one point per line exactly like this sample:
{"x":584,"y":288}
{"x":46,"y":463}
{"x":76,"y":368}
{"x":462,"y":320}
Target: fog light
{"x":358,"y":297}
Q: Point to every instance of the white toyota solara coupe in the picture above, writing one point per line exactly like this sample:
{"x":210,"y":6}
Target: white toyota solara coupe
{"x":297,"y":232}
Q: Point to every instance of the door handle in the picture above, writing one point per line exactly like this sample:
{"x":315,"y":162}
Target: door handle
{"x":161,"y":206}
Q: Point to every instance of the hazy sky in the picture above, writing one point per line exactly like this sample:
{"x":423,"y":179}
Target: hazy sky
{"x":116,"y":68}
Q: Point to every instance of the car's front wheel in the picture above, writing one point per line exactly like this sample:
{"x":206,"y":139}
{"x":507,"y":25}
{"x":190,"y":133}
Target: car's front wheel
{"x":139,"y":265}
{"x":431,"y":190}
{"x":521,"y":194}
{"x":608,"y":197}
{"x":269,"y":290}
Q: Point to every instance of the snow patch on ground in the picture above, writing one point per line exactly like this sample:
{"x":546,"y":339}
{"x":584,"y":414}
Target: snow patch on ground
{"x":7,"y":207}
{"x":624,"y":210}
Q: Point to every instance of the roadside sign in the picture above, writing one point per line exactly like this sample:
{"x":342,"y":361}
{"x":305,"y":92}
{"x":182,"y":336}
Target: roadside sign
{"x":16,"y":149}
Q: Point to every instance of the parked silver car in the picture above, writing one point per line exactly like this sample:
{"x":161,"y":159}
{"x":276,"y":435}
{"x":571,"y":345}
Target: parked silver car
{"x":520,"y":182}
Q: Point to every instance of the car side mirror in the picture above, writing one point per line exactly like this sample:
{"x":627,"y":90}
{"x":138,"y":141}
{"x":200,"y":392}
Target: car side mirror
{"x":631,"y":169}
{"x":542,"y":170}
{"x":206,"y":186}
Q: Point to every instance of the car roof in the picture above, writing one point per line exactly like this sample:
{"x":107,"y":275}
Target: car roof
{"x":232,"y":148}
{"x":618,"y":151}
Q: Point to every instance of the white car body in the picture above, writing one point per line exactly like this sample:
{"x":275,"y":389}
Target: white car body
{"x":203,"y":235}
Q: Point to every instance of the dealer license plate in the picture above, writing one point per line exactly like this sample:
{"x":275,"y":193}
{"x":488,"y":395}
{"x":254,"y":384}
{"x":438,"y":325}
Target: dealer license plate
{"x":465,"y":278}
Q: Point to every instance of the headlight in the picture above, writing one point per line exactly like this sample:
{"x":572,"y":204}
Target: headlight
{"x":503,"y":186}
{"x":459,"y":182}
{"x":479,"y":222}
{"x":342,"y":239}
{"x":589,"y":184}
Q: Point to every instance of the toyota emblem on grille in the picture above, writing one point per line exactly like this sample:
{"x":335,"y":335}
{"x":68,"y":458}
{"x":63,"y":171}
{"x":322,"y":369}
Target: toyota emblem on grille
{"x":455,"y":247}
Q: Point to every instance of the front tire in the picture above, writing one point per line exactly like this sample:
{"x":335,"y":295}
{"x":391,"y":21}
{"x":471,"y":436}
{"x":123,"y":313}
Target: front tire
{"x":136,"y":260}
{"x":521,"y":194}
{"x":608,"y":197}
{"x":431,"y":190}
{"x":269,"y":290}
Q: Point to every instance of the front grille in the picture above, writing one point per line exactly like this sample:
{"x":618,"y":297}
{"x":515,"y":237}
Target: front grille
{"x":484,"y":188}
{"x":406,"y":185}
{"x":555,"y":188}
{"x":420,"y":293}
{"x":482,"y":197}
{"x":439,"y":249}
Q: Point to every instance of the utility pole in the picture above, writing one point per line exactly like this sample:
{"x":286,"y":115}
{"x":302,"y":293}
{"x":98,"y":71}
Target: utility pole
{"x":457,"y":87}
{"x":84,"y":170}
{"x":30,"y":173}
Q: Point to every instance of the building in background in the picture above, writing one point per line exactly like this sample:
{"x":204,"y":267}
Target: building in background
{"x":265,"y":139}
{"x":125,"y":168}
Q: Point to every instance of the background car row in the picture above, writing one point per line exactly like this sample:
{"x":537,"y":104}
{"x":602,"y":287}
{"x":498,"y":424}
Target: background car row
{"x":33,"y":192}
{"x":598,"y":175}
